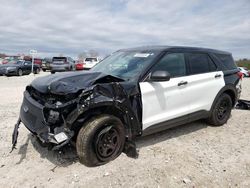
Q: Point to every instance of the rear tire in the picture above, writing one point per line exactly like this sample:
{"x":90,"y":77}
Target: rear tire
{"x":100,"y":140}
{"x":52,"y":72}
{"x":44,"y":70}
{"x":221,"y":111}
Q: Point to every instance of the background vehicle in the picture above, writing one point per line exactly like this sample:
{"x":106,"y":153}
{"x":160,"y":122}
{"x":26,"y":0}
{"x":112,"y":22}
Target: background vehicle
{"x":244,"y":71}
{"x":90,"y":62}
{"x":18,"y":68}
{"x":60,"y":64}
{"x":1,"y":60}
{"x":37,"y":61}
{"x":79,"y":65}
{"x":10,"y":58}
{"x":131,"y":93}
{"x":46,"y":64}
{"x":5,"y":61}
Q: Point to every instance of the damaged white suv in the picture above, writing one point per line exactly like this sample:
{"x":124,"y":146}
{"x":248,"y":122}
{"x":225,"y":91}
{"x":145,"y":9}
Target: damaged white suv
{"x":131,"y":93}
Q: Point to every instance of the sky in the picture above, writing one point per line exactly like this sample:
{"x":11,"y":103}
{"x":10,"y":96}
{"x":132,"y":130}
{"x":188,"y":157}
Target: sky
{"x":55,"y":27}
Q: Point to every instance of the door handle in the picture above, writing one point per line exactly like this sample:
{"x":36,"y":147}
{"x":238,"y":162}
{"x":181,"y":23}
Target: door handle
{"x":217,"y":76}
{"x":182,"y":83}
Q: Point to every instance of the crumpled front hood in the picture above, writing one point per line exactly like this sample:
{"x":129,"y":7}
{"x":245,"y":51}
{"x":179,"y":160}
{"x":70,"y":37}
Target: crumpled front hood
{"x":69,"y":82}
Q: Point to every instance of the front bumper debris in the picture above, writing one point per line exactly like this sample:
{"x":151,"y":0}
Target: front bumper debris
{"x":15,"y":134}
{"x":32,"y":116}
{"x":243,"y":105}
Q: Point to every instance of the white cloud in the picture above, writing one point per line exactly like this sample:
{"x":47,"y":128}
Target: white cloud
{"x":71,"y":27}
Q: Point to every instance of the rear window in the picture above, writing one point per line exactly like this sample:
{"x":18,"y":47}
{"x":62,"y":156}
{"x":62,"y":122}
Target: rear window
{"x":91,"y":59}
{"x":227,"y":61}
{"x":59,"y":59}
{"x":200,"y":63}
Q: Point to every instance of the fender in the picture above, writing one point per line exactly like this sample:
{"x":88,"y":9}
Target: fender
{"x":229,"y":89}
{"x":92,"y":105}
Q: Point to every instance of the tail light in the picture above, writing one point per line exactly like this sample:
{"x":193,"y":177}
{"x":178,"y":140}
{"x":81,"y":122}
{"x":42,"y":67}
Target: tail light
{"x":240,"y":74}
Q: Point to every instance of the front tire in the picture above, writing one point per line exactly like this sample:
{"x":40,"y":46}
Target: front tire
{"x":37,"y":71}
{"x":221,"y":111}
{"x":19,"y":72}
{"x":100,"y":140}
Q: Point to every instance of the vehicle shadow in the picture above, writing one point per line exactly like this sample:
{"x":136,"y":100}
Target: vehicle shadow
{"x":60,"y":158}
{"x":23,"y":150}
{"x":170,"y":133}
{"x":67,"y":155}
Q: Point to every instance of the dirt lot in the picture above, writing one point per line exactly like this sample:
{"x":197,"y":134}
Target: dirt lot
{"x":193,"y":155}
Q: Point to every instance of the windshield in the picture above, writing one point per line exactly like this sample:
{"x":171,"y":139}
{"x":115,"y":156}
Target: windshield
{"x":125,"y":65}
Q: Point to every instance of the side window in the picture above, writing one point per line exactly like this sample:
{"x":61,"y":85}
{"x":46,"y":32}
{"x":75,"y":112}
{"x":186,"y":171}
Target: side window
{"x":200,"y":63}
{"x":28,"y":62}
{"x":174,"y":63}
{"x":227,"y":61}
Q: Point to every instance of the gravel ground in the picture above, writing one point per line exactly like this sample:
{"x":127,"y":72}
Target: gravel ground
{"x":192,"y":155}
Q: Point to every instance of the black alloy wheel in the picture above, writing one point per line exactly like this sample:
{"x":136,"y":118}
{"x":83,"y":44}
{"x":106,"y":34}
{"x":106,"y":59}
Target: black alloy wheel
{"x":108,"y":142}
{"x":100,"y":140}
{"x":221,"y":110}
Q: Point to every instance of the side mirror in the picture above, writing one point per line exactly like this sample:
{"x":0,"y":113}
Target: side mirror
{"x":159,"y":76}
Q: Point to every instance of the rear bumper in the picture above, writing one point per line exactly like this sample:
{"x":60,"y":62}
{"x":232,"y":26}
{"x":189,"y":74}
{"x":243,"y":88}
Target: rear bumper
{"x":88,"y":65}
{"x":59,"y":68}
{"x":32,"y":116}
{"x":85,"y":68}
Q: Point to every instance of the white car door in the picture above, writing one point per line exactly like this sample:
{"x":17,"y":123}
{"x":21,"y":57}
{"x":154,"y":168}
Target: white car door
{"x":204,"y":82}
{"x":165,"y":100}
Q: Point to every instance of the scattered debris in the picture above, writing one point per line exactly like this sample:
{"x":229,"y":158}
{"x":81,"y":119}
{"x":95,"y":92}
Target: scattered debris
{"x":76,"y":178}
{"x":53,"y":169}
{"x":243,"y":105}
{"x":106,"y":174}
{"x":186,"y":180}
